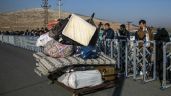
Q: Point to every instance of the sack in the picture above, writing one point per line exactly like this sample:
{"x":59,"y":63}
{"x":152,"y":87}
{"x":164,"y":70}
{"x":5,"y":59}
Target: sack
{"x":108,"y":72}
{"x":58,"y":50}
{"x":79,"y":30}
{"x":43,"y":39}
{"x":81,"y":79}
{"x":88,"y":52}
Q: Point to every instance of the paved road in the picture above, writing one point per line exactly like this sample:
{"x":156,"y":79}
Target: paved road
{"x":17,"y":78}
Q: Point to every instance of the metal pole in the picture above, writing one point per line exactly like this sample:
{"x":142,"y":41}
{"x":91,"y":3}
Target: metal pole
{"x":111,"y":48}
{"x":164,"y":66}
{"x":154,"y":70}
{"x":144,"y":62}
{"x":126,"y":59}
{"x":59,"y":7}
{"x":118,"y":53}
{"x":134,"y":63}
{"x":45,"y":6}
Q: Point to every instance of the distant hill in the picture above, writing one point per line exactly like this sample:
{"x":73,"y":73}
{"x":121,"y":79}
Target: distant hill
{"x":34,"y":18}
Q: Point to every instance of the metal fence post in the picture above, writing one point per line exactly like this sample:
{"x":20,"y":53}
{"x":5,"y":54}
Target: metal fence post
{"x":164,"y":66}
{"x":154,"y":67}
{"x":144,"y":63}
{"x":126,"y":59}
{"x":164,"y":82}
{"x":134,"y":64}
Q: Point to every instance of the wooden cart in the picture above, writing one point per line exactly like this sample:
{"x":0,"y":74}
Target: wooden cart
{"x":44,"y":61}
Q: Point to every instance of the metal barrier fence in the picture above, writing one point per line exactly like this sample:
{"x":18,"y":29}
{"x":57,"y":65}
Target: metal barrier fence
{"x":145,"y":67}
{"x":166,"y":65}
{"x":134,"y":60}
{"x":26,"y":42}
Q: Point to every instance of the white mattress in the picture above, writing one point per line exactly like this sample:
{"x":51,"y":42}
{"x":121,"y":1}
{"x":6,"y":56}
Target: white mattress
{"x":79,"y":30}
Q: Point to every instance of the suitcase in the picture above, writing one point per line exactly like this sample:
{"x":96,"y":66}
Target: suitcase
{"x":108,"y":72}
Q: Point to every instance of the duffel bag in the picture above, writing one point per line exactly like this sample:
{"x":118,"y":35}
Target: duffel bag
{"x":57,"y":50}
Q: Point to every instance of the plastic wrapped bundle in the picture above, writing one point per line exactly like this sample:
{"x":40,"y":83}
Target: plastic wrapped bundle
{"x":43,"y":39}
{"x":57,"y":50}
{"x":81,"y":79}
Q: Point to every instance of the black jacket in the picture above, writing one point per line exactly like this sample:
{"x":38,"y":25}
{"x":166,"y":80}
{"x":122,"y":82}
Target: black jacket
{"x":109,"y":34}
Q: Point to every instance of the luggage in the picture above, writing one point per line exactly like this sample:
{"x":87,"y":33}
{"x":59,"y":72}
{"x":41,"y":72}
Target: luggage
{"x":43,"y":39}
{"x":81,"y":79}
{"x":57,"y":50}
{"x":79,"y":30}
{"x":108,"y":72}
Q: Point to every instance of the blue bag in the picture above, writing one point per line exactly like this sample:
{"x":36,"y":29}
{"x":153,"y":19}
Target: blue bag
{"x":88,"y":52}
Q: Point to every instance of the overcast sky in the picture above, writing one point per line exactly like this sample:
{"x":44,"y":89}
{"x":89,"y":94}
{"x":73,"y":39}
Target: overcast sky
{"x":156,"y":12}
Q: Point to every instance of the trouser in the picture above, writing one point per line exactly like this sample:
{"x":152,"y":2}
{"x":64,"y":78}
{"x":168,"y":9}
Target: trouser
{"x":122,"y":47}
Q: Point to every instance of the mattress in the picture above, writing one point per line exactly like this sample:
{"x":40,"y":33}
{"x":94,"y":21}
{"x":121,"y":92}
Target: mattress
{"x":79,"y":30}
{"x":51,"y":64}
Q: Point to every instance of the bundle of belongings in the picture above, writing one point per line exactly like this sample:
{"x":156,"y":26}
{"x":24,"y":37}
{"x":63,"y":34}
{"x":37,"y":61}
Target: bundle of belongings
{"x":71,"y":56}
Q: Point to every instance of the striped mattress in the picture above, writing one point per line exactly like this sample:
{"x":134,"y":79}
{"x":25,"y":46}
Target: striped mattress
{"x":46,"y":64}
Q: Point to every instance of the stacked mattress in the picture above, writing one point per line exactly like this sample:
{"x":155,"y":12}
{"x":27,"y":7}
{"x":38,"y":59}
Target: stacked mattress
{"x":46,"y":64}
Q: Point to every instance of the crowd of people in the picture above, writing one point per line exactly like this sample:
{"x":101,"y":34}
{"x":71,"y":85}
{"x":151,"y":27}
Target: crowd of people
{"x":33,"y":32}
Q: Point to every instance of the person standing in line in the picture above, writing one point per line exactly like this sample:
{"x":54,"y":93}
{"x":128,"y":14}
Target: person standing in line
{"x":123,"y":37}
{"x":100,"y":36}
{"x":144,"y":34}
{"x":161,"y":37}
{"x":108,"y":34}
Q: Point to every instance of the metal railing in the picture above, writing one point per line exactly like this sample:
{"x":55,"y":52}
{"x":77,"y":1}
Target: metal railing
{"x":136,"y":61}
{"x":26,"y":42}
{"x":166,"y":65}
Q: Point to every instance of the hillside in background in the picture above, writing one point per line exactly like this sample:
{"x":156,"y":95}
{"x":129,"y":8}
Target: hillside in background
{"x":34,"y":18}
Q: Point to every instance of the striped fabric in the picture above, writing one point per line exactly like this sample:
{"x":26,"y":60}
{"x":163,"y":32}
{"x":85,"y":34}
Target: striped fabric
{"x":52,"y":64}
